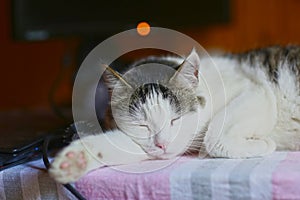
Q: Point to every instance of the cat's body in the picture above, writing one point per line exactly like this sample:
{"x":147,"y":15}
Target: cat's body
{"x":235,"y":106}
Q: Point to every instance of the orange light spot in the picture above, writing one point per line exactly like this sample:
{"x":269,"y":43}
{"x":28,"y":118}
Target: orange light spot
{"x":143,"y":28}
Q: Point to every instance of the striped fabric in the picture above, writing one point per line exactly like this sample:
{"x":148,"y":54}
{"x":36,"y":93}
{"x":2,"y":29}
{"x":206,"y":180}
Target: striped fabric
{"x":273,"y":177}
{"x":226,"y":178}
{"x":30,"y":182}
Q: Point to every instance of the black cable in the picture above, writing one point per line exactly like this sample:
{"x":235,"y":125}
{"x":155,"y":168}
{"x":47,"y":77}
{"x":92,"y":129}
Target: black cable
{"x":47,"y":164}
{"x":45,"y":152}
{"x":19,"y":162}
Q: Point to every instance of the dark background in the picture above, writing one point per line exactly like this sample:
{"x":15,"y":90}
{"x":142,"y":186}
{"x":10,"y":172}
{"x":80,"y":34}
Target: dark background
{"x":29,"y":68}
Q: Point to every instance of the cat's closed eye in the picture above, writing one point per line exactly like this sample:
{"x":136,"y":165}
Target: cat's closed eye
{"x":174,"y":120}
{"x":145,"y":126}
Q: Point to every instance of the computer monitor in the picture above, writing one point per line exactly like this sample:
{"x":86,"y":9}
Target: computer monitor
{"x":34,"y":20}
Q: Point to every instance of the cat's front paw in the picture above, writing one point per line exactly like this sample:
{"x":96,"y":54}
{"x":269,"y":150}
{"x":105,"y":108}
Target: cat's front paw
{"x":70,"y":164}
{"x":253,"y":147}
{"x":263,"y":146}
{"x":243,"y":148}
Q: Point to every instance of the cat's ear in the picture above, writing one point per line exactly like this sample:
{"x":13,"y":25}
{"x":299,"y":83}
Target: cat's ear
{"x":112,"y":77}
{"x":189,"y":69}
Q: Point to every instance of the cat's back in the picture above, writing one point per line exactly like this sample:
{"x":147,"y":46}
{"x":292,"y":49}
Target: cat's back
{"x":274,"y":60}
{"x":276,"y":66}
{"x":280,"y":67}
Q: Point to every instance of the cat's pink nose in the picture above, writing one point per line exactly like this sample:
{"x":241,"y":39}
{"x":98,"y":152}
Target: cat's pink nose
{"x":161,"y":146}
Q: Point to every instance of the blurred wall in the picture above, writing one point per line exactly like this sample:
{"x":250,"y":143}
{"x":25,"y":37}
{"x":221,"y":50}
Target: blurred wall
{"x":254,"y":23}
{"x":29,"y":69}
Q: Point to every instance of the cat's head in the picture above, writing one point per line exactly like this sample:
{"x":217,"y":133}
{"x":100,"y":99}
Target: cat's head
{"x":162,"y":115}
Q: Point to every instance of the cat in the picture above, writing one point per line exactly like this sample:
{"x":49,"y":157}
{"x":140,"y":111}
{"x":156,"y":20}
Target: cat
{"x":233,"y":106}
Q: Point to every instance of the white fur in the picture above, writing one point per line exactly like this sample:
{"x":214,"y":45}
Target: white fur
{"x":133,"y":144}
{"x":160,"y":125}
{"x":111,"y":148}
{"x":245,"y":115}
{"x":256,"y":114}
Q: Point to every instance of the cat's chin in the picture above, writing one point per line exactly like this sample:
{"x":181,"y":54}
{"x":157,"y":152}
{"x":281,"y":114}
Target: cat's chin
{"x":167,"y":156}
{"x":161,"y":154}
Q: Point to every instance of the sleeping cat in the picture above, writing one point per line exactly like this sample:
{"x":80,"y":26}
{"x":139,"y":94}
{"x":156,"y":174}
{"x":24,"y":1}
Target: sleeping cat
{"x":234,"y":106}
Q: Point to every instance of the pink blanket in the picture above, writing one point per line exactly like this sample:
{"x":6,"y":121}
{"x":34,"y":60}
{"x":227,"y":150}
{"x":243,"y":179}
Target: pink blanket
{"x":273,"y":177}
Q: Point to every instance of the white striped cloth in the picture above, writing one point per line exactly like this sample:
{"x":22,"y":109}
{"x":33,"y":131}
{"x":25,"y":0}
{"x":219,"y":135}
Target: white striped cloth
{"x":276,"y":176}
{"x":30,"y":182}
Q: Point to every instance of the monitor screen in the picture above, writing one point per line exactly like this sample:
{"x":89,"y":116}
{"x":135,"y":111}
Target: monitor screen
{"x":41,"y":20}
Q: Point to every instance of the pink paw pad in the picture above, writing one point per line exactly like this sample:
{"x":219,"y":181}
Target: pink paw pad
{"x":64,"y":165}
{"x":82,"y":164}
{"x":81,"y":160}
{"x":73,"y":161}
{"x":70,"y":154}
